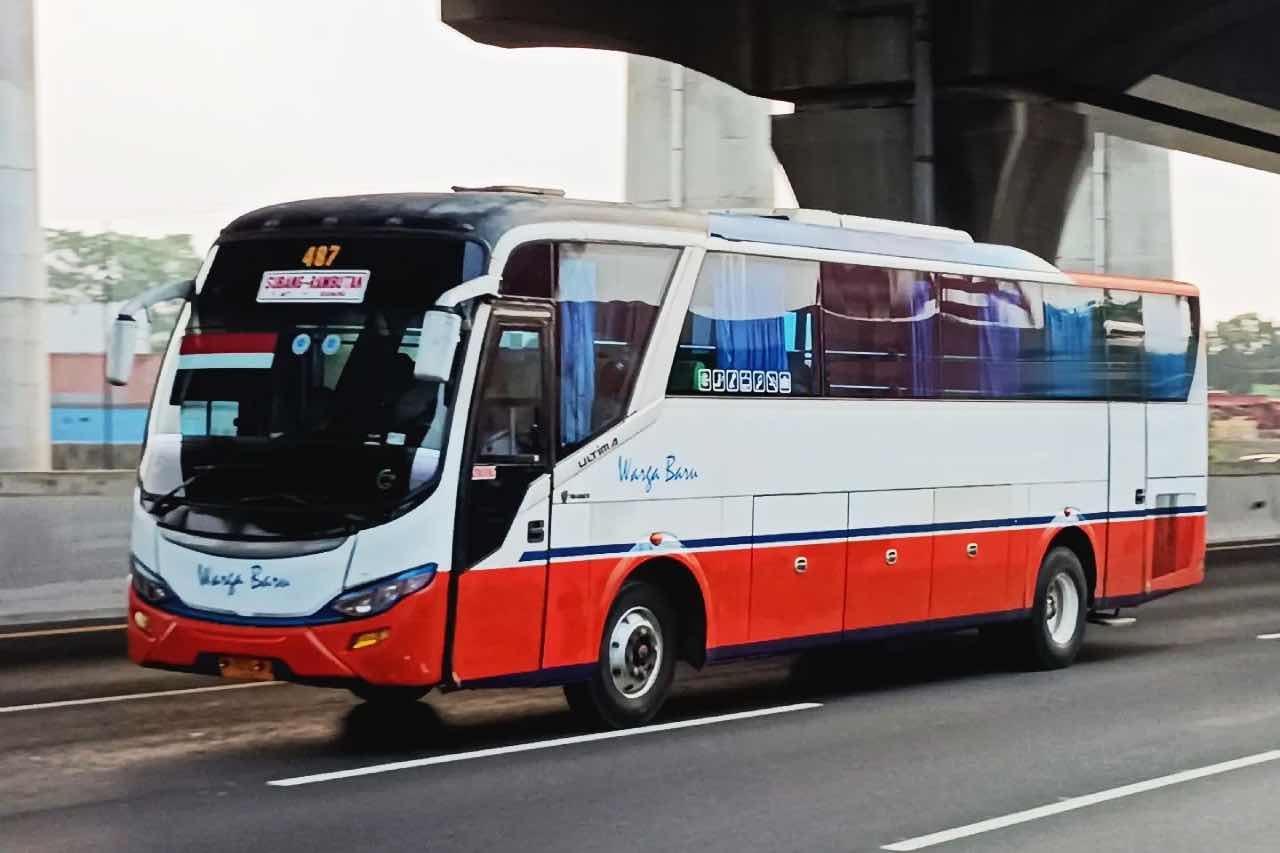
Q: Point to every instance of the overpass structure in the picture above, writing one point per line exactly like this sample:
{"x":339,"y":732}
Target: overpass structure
{"x":972,"y":113}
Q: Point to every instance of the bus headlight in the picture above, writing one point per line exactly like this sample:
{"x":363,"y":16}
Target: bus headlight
{"x":147,"y":584}
{"x":381,"y":595}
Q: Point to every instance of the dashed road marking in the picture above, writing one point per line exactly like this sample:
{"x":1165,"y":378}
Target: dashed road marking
{"x":537,"y":745}
{"x":1073,"y":803}
{"x":128,"y":697}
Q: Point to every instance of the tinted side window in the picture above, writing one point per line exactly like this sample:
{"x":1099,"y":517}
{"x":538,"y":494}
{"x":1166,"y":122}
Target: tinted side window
{"x":1170,"y":344}
{"x":1126,"y":362}
{"x":609,"y":298}
{"x":509,"y":415}
{"x":750,"y":328}
{"x":879,"y":332}
{"x":1074,"y":361}
{"x":992,"y":334}
{"x":530,"y":271}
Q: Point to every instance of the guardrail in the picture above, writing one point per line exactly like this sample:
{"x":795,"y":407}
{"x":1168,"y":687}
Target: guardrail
{"x":64,"y":538}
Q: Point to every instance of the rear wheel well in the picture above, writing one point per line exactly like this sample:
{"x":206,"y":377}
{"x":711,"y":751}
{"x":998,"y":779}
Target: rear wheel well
{"x":1078,"y":541}
{"x":682,"y":590}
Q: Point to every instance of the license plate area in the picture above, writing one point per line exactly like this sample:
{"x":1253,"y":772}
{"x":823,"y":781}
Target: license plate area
{"x":246,"y":669}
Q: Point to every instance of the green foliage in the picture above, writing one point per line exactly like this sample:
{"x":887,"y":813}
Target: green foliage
{"x":111,"y":267}
{"x":1243,"y":352}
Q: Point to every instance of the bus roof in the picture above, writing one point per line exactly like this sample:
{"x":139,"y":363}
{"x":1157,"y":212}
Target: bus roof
{"x":487,"y":215}
{"x":1129,"y":282}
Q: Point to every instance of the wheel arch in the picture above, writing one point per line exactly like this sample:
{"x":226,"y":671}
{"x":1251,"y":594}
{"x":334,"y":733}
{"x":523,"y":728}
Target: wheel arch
{"x":1079,"y":542}
{"x":685,"y":588}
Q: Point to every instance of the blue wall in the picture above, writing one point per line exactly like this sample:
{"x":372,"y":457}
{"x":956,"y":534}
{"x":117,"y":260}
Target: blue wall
{"x":88,"y":425}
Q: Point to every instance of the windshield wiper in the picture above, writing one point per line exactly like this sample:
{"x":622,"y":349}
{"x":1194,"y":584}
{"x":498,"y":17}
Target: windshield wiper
{"x":162,"y":503}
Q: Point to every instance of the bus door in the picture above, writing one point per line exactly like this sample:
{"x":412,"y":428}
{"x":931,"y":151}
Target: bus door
{"x":504,"y":499}
{"x":1128,"y":534}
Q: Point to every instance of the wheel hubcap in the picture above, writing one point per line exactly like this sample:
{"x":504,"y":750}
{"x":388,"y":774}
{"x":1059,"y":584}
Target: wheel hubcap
{"x":635,"y":652}
{"x":1061,"y":609}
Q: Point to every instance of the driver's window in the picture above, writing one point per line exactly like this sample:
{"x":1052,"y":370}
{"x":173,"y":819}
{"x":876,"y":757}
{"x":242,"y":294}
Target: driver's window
{"x":509,"y":418}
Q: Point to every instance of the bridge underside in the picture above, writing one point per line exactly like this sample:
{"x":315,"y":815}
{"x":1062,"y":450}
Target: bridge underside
{"x":979,"y":110}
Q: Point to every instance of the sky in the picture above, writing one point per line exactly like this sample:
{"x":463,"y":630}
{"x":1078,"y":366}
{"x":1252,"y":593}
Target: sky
{"x":156,"y":119}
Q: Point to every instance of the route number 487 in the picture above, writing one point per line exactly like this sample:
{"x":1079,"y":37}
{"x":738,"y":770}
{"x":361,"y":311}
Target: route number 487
{"x":321,"y":256}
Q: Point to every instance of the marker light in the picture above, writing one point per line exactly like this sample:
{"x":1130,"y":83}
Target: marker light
{"x":369,"y":638}
{"x":381,"y":595}
{"x":147,"y":584}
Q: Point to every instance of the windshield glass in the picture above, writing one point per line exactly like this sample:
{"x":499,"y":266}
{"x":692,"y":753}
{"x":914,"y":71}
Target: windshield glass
{"x":287,"y":406}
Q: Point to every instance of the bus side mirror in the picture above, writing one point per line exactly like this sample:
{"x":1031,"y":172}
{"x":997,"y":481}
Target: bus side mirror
{"x":120,"y":347}
{"x":441,"y":331}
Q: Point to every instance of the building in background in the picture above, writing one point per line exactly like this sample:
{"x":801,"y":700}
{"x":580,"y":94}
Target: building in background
{"x":91,"y":423}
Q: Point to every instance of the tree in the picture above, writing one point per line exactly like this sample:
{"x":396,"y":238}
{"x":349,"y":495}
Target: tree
{"x":1243,"y":351}
{"x":110,"y":267}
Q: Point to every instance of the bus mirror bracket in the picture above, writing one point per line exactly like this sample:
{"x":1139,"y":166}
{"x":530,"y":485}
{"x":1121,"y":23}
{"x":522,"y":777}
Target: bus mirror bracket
{"x":441,"y":332}
{"x":124,"y":331}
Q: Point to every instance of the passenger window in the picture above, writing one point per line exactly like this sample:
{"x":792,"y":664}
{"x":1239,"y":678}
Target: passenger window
{"x":991,"y":330}
{"x":879,"y":332}
{"x":750,"y":328}
{"x":1126,"y":363}
{"x":1074,"y":362}
{"x":509,"y":418}
{"x":609,"y":296}
{"x":1170,"y":344}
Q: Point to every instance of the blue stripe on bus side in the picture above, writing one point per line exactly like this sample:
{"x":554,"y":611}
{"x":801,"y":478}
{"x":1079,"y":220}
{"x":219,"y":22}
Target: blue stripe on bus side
{"x":854,"y":533}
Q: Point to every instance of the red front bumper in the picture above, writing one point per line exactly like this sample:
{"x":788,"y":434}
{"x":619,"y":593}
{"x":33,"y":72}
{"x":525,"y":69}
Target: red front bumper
{"x":411,"y":654}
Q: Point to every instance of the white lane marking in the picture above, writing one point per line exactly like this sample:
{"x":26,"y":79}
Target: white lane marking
{"x":1269,"y":636}
{"x":537,"y":744}
{"x":99,"y":700}
{"x":1073,"y":803}
{"x":55,"y":632}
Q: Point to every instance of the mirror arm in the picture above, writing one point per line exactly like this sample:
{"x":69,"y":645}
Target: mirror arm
{"x":152,"y":296}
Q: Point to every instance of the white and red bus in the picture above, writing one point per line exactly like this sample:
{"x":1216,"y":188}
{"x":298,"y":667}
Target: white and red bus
{"x":501,"y":438}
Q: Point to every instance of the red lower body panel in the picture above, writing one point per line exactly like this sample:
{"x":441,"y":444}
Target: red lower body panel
{"x":411,"y":654}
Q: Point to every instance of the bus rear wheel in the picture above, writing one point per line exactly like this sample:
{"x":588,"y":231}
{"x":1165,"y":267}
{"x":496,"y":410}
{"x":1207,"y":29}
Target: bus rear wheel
{"x":1055,"y":631}
{"x":636,"y":664}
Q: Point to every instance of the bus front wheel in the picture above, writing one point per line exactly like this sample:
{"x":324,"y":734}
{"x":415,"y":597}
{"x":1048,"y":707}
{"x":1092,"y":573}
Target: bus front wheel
{"x":636,"y":665}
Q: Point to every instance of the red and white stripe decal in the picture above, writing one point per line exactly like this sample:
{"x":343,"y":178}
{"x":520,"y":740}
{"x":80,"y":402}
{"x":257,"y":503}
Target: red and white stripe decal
{"x":227,"y":350}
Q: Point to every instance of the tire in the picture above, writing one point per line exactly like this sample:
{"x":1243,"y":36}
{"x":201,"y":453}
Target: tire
{"x":636,"y":664}
{"x":389,"y":695}
{"x":1055,"y":632}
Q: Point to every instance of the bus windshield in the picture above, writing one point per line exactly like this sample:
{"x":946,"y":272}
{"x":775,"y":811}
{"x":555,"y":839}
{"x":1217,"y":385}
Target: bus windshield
{"x":287,"y":406}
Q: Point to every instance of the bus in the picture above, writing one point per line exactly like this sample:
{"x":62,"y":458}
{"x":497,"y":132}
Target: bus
{"x":501,"y":437}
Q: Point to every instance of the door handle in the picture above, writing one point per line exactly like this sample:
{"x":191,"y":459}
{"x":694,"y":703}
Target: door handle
{"x":1140,"y":496}
{"x":891,"y":556}
{"x":971,"y":549}
{"x":802,"y":565}
{"x":537,"y":530}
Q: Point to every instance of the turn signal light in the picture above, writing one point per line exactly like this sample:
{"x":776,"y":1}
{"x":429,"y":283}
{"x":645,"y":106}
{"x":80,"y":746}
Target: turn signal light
{"x":366,"y":639}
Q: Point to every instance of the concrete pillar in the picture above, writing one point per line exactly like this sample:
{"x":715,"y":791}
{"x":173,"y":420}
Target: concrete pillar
{"x":24,"y":362}
{"x":1121,"y":215}
{"x":717,"y":154}
{"x":1004,"y":168}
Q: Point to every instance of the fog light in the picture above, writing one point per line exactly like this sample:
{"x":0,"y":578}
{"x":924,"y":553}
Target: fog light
{"x":369,"y":638}
{"x":140,"y":619}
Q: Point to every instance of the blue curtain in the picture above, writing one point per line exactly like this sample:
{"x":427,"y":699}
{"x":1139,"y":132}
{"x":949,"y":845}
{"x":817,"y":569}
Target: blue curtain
{"x":997,"y":350}
{"x":577,"y":369}
{"x":1070,"y":347}
{"x":751,"y":344}
{"x":924,"y":358}
{"x":1167,"y":376}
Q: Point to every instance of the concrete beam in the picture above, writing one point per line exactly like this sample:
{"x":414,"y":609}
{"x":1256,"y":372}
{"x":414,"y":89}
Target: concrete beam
{"x":24,"y":362}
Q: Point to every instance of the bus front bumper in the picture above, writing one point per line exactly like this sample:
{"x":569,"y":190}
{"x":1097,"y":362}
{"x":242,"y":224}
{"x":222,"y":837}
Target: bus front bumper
{"x":408,"y":649}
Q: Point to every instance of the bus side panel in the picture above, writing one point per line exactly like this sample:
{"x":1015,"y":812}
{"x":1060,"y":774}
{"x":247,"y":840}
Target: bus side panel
{"x":971,"y":566}
{"x":498,"y":629}
{"x":890,"y":558}
{"x":797,"y":586}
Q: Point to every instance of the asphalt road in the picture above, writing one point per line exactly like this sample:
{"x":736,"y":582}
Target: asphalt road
{"x":874,"y":746}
